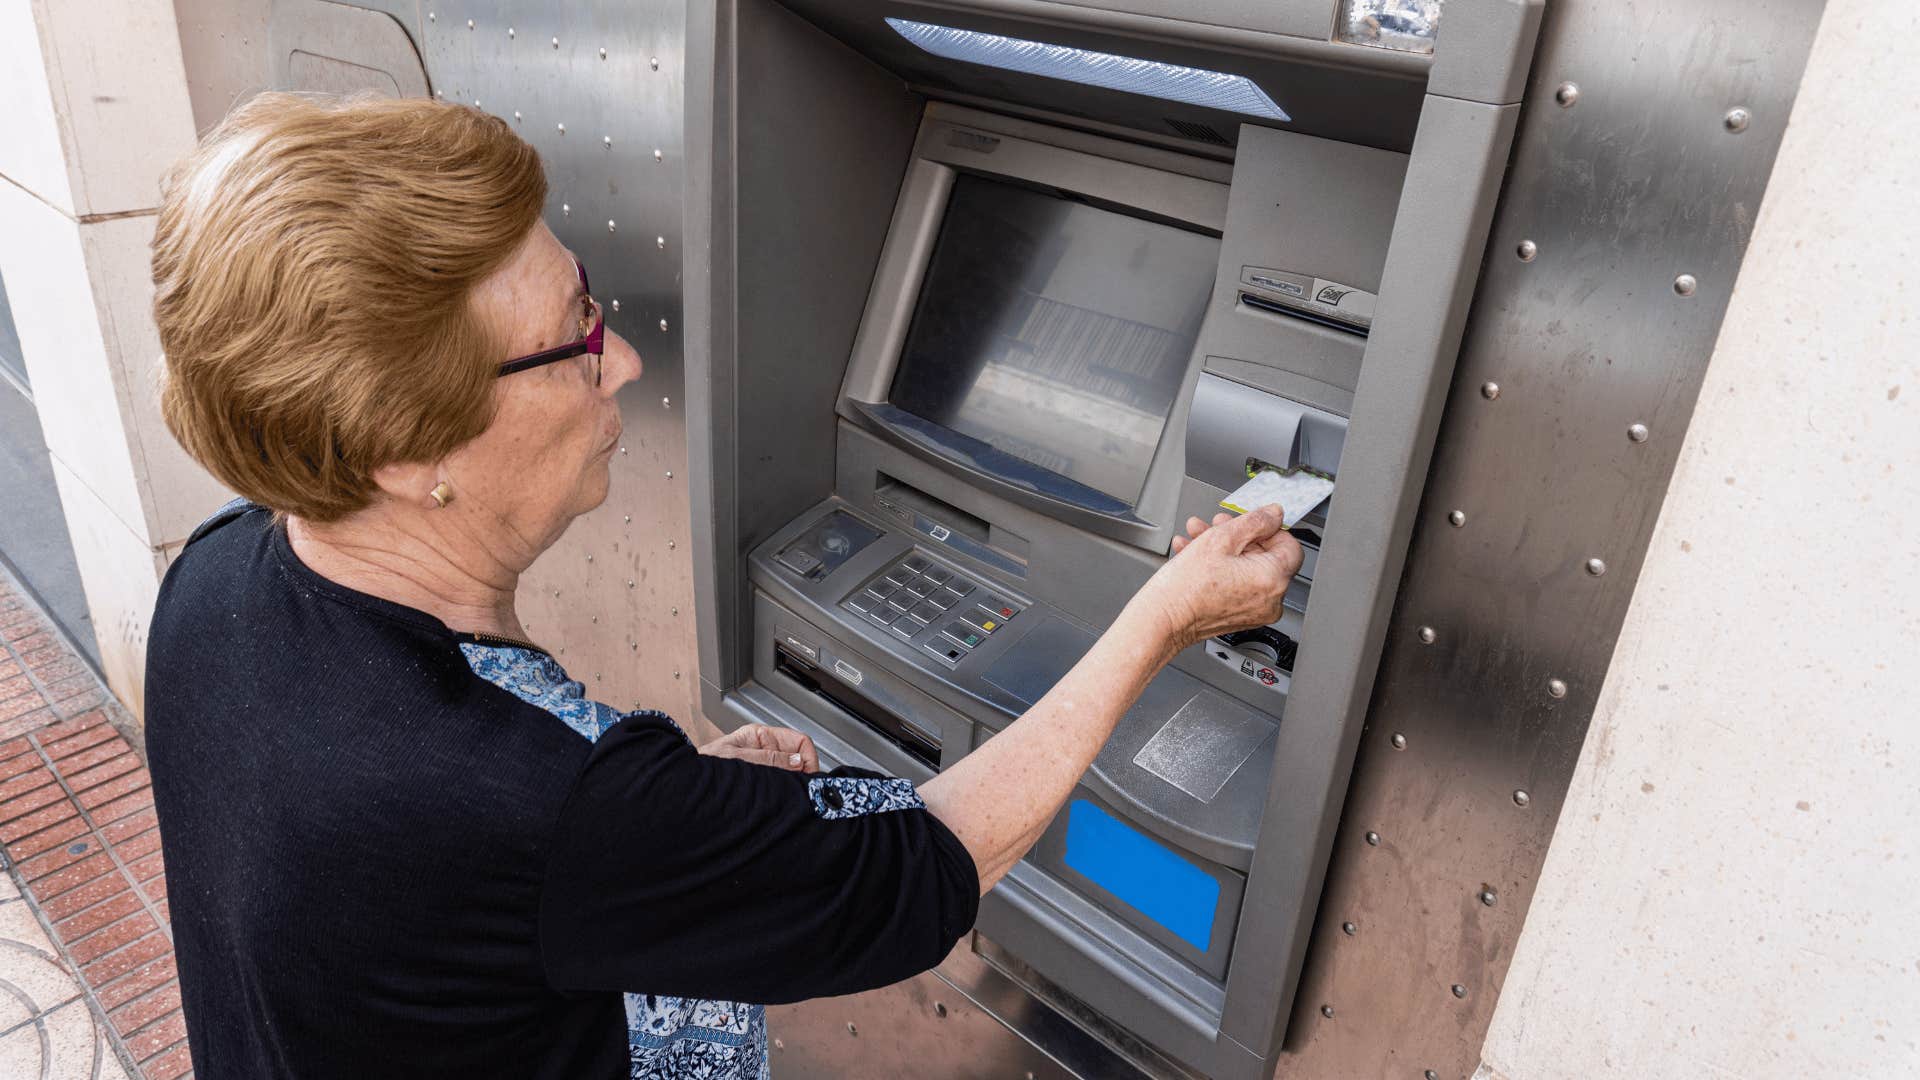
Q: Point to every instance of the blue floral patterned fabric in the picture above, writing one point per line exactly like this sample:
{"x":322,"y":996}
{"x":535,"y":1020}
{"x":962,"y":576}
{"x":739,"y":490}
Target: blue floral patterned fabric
{"x":668,"y":1038}
{"x":836,"y":797}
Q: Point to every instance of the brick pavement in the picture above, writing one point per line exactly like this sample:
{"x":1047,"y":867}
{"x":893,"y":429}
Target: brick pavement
{"x":82,"y":846}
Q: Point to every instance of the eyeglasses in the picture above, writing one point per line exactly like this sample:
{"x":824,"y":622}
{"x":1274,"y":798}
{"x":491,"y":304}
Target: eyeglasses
{"x":592,"y":342}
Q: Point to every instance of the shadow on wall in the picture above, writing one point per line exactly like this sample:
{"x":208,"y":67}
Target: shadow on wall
{"x":33,"y":531}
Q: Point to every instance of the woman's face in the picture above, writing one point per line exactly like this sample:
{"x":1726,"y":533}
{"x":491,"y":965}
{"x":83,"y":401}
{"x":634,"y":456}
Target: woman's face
{"x":544,"y":460}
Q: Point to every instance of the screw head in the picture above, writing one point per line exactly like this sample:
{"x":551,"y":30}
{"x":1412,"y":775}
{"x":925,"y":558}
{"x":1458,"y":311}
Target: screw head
{"x":1736,"y":120}
{"x":666,"y":403}
{"x":670,"y":545}
{"x":623,"y":450}
{"x":1489,"y":897}
{"x":1637,"y":433}
{"x":1428,"y":635}
{"x":663,"y":326}
{"x":589,"y":558}
{"x":1430,"y":1075}
{"x":629,"y":583}
{"x":1567,"y":94}
{"x":1521,"y":798}
{"x":1326,"y":1011}
{"x":509,"y":31}
{"x":610,"y":225}
{"x":660,"y":242}
{"x":516,"y":116}
{"x":939,"y":1009}
{"x":603,"y":54}
{"x":431,"y":17}
{"x":779,"y":1044}
{"x":1556,"y":688}
{"x":1399,"y":741}
{"x":658,"y":155}
{"x":851,"y":1030}
{"x":556,"y":43}
{"x":1457,"y":518}
{"x":628,"y":518}
{"x":606,"y":140}
{"x":1596,"y":567}
{"x":562,"y":128}
{"x":1373,"y":839}
{"x":1349,"y":929}
{"x":1459,"y":991}
{"x":1686,"y":284}
{"x":669,"y":474}
{"x":616,"y":305}
{"x":673,"y":611}
{"x":1527,"y":250}
{"x":469,"y":24}
{"x":1490,"y":391}
{"x":566,"y":210}
{"x":653,"y":62}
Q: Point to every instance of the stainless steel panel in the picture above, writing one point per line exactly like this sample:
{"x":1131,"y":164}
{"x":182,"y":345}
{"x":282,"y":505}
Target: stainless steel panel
{"x":597,"y":88}
{"x":1635,"y":182}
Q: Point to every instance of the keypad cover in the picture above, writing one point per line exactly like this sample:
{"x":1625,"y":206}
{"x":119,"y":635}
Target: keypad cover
{"x":916,"y":593}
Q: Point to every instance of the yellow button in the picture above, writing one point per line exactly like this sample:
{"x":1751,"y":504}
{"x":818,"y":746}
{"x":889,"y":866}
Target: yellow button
{"x":988,"y":625}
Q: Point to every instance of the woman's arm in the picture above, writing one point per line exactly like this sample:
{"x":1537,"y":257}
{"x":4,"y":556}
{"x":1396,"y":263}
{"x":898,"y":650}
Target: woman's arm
{"x":999,"y":799}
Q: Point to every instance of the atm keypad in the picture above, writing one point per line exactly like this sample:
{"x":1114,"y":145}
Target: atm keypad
{"x":916,"y":593}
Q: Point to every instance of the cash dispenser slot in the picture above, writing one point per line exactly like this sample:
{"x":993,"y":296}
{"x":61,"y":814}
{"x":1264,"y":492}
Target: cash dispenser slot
{"x":920,"y":744}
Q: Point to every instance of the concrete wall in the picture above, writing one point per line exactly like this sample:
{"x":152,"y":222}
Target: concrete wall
{"x":1733,"y":886}
{"x":96,"y":109}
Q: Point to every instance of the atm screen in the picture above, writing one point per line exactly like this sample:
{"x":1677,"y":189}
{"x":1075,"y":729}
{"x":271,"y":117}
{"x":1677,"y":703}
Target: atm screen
{"x":1055,"y":331}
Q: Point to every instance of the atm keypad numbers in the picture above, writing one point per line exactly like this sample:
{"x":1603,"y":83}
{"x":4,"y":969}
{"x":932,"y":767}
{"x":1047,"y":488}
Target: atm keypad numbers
{"x":920,"y":601}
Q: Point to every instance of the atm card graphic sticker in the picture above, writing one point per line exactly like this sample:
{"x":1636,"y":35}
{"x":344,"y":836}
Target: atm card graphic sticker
{"x":1298,"y":491}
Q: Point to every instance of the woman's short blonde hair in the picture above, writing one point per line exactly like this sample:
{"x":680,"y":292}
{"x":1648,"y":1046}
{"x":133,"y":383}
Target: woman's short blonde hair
{"x":314,"y":265}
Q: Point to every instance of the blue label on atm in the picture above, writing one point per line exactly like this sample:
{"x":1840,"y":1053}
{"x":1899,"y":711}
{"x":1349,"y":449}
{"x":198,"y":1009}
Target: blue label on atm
{"x":1143,"y":872}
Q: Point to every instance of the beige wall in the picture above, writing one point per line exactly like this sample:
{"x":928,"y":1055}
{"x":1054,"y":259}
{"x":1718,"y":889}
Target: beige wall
{"x":96,"y":108}
{"x":1733,"y":888}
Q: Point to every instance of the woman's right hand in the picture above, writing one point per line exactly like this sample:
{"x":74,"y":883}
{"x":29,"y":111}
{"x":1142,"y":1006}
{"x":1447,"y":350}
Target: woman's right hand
{"x":1225,"y":576}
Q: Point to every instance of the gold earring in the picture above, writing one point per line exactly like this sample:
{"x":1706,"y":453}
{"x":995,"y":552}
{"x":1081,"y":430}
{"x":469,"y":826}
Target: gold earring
{"x":442,"y":494}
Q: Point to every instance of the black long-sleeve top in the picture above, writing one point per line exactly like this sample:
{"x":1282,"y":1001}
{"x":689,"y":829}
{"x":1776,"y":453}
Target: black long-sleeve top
{"x":394,"y":850}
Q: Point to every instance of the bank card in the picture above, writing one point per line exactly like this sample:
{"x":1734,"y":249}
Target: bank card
{"x":1298,"y":491}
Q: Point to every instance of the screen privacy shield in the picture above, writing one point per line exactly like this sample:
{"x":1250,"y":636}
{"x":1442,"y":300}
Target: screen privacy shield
{"x":1055,"y":331}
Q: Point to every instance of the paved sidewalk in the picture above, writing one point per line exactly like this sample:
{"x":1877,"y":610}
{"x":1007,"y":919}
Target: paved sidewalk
{"x":87,"y":983}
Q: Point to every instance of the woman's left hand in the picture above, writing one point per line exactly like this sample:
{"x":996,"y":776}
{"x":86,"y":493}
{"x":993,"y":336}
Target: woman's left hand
{"x":780,"y":747}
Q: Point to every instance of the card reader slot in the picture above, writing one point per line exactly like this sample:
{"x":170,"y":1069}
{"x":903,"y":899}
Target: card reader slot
{"x":1274,"y":307}
{"x":923,"y":747}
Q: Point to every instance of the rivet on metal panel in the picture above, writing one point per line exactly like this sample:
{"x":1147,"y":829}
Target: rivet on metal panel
{"x":594,"y":619}
{"x":1490,"y":391}
{"x":1521,"y":798}
{"x":1326,"y":1011}
{"x":670,"y":545}
{"x":1457,"y":518}
{"x":556,"y":43}
{"x":628,"y":518}
{"x":1373,"y":839}
{"x":469,"y":24}
{"x":431,"y":17}
{"x":603,"y":54}
{"x":1459,"y":991}
{"x":1637,"y":433}
{"x":1527,"y":250}
{"x":676,"y":674}
{"x":851,"y":1030}
{"x":476,"y":103}
{"x":654,"y":63}
{"x":589,"y":558}
{"x":1349,"y":929}
{"x":1567,"y":94}
{"x":556,"y":594}
{"x":562,"y":127}
{"x":606,"y":141}
{"x":1685,"y":284}
{"x":1399,"y":741}
{"x":666,"y":403}
{"x":669,"y":474}
{"x":611,"y":226}
{"x":1428,"y":635}
{"x":1556,"y":688}
{"x":623,"y":450}
{"x":1737,"y":119}
{"x":509,"y":31}
{"x":516,"y":116}
{"x":663,"y":326}
{"x":596,"y":676}
{"x":566,"y":210}
{"x":675,"y":612}
{"x":616,"y":305}
{"x":1488,"y":896}
{"x":1596,"y":567}
{"x":940,"y":1009}
{"x":658,"y":155}
{"x":1430,"y":1075}
{"x":629,"y":583}
{"x":779,"y":1044}
{"x":660,"y":242}
{"x":634,"y":645}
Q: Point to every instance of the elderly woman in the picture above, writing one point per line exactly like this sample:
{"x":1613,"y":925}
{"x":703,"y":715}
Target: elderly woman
{"x":399,"y":839}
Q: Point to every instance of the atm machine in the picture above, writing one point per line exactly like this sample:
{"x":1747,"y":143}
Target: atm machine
{"x":988,"y":298}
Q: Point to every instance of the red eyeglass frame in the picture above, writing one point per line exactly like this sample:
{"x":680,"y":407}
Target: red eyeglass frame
{"x":594,"y":343}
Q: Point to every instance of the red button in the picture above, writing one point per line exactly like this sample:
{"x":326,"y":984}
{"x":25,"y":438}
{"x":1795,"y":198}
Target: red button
{"x":1006,"y":613}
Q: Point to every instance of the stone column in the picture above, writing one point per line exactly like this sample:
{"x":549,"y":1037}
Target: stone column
{"x":96,"y":107}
